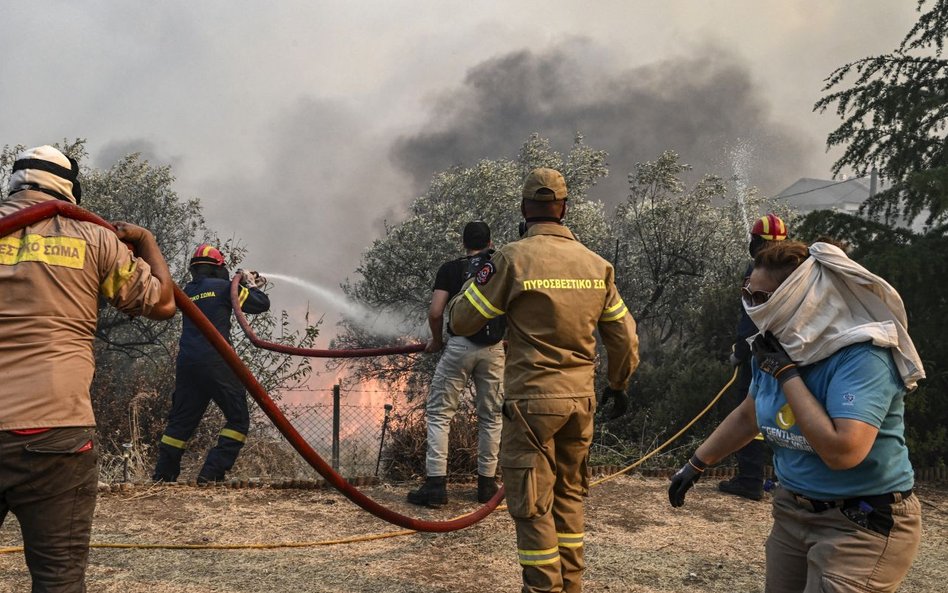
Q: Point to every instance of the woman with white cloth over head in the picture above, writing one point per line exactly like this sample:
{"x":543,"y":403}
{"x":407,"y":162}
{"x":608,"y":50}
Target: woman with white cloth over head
{"x":832,"y":365}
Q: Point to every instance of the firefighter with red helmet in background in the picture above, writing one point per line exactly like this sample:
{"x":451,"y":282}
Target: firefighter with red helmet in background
{"x":203,"y":376}
{"x":749,"y":480}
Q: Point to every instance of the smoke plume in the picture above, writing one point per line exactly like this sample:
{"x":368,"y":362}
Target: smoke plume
{"x":696,"y":105}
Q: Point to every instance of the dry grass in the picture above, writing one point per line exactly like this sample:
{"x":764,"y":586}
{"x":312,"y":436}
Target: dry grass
{"x":635,"y":543}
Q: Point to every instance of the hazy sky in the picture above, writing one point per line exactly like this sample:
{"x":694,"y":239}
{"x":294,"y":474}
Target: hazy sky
{"x":300,"y":124}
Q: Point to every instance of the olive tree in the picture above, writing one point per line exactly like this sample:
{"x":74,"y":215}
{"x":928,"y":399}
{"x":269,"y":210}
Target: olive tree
{"x":397,"y":272}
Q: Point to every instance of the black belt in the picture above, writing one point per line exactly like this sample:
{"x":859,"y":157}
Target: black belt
{"x":876,"y":501}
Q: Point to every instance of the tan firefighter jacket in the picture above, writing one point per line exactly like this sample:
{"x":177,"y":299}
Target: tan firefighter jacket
{"x":555,"y":293}
{"x":51,"y":276}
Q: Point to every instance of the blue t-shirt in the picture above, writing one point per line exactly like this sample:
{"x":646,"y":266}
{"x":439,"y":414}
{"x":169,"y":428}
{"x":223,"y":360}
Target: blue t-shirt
{"x":860,"y":382}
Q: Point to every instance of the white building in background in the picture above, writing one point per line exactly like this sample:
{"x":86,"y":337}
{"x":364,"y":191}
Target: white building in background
{"x":846,"y":195}
{"x":841,"y":195}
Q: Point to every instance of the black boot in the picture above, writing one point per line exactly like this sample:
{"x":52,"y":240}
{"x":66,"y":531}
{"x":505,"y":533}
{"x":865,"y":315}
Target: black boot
{"x":203,"y":479}
{"x":168,"y":465}
{"x":486,"y":488}
{"x":433,"y":493}
{"x":220,"y":460}
{"x":740,"y":487}
{"x":749,"y":480}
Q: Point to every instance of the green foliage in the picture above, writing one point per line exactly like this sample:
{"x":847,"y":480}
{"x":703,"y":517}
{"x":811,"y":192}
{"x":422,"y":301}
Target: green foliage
{"x":856,"y":232}
{"x":677,"y":246}
{"x":894,"y":116}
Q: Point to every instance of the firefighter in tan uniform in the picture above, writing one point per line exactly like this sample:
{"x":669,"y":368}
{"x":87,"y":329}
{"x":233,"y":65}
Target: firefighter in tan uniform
{"x":52,"y":275}
{"x":555,"y":293}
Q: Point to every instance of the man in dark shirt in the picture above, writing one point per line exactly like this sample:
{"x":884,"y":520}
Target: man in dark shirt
{"x":202,"y":375}
{"x":480,"y":356}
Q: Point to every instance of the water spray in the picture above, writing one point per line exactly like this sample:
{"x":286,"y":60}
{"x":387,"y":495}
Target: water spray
{"x":740,"y":157}
{"x":376,"y":322}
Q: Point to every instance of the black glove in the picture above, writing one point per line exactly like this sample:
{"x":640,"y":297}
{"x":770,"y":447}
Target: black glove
{"x":621,"y":401}
{"x":684,"y":479}
{"x":476,"y":262}
{"x":773,"y":359}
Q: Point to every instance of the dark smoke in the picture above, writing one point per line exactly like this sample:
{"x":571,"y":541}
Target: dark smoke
{"x":698,"y":106}
{"x":113,"y":152}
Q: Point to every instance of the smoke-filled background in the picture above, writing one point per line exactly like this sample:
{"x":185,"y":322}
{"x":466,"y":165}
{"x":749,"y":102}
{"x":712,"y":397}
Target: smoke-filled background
{"x":302,"y":126}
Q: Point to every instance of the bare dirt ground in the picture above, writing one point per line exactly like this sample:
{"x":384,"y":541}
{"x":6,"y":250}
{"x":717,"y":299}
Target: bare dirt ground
{"x":635,"y":542}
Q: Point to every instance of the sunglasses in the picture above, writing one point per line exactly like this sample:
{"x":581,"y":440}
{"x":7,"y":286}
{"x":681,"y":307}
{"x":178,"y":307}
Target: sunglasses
{"x":754,"y":298}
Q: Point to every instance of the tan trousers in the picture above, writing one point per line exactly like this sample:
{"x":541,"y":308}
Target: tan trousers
{"x":827,"y":552}
{"x":544,"y":457}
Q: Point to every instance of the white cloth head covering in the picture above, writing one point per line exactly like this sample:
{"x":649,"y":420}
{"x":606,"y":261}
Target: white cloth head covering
{"x":58,"y":177}
{"x":830,"y":302}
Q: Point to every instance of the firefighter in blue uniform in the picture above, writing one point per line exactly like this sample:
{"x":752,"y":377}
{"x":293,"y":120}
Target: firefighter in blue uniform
{"x":203,"y":376}
{"x":752,"y":458}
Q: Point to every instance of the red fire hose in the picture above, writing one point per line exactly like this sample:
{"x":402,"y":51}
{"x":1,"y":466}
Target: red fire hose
{"x":38,"y":212}
{"x":310,"y":352}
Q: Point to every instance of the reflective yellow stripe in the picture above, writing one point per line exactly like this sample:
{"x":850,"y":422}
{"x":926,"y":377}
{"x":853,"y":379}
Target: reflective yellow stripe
{"x":117,"y":279}
{"x":233,"y":434}
{"x":486,"y":302}
{"x":477,"y":306}
{"x":242,"y":295}
{"x":479,"y":302}
{"x":539,"y":557}
{"x":206,"y":250}
{"x":610,"y":315}
{"x":177,"y":443}
{"x":570,"y":540}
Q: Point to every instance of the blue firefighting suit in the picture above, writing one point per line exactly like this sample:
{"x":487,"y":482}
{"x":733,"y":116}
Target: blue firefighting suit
{"x":202,"y":376}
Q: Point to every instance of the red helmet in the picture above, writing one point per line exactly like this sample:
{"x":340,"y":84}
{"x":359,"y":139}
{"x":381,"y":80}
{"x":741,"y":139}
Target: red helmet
{"x":207,"y":254}
{"x":770,"y":228}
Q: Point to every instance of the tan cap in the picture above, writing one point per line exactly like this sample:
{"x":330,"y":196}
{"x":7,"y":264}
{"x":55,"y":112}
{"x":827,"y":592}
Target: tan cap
{"x":548,"y":179}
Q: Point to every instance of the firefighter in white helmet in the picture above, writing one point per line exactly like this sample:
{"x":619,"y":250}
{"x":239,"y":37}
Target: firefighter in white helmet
{"x":52,"y":275}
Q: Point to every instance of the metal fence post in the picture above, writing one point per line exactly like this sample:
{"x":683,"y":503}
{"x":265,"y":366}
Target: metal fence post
{"x":335,"y":427}
{"x":378,"y":461}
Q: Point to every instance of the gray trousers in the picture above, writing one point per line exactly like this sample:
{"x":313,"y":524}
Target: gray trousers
{"x":826,"y":552}
{"x":48,"y":480}
{"x":462,"y":360}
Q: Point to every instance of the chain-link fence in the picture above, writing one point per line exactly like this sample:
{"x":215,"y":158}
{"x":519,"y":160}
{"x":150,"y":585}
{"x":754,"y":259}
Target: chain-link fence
{"x":348,"y":436}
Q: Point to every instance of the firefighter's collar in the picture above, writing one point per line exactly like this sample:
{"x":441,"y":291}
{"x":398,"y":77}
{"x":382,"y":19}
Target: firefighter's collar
{"x":30,"y":195}
{"x":549,"y":228}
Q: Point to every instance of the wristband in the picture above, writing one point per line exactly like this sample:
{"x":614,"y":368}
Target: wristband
{"x":697,"y":464}
{"x":786,"y":373}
